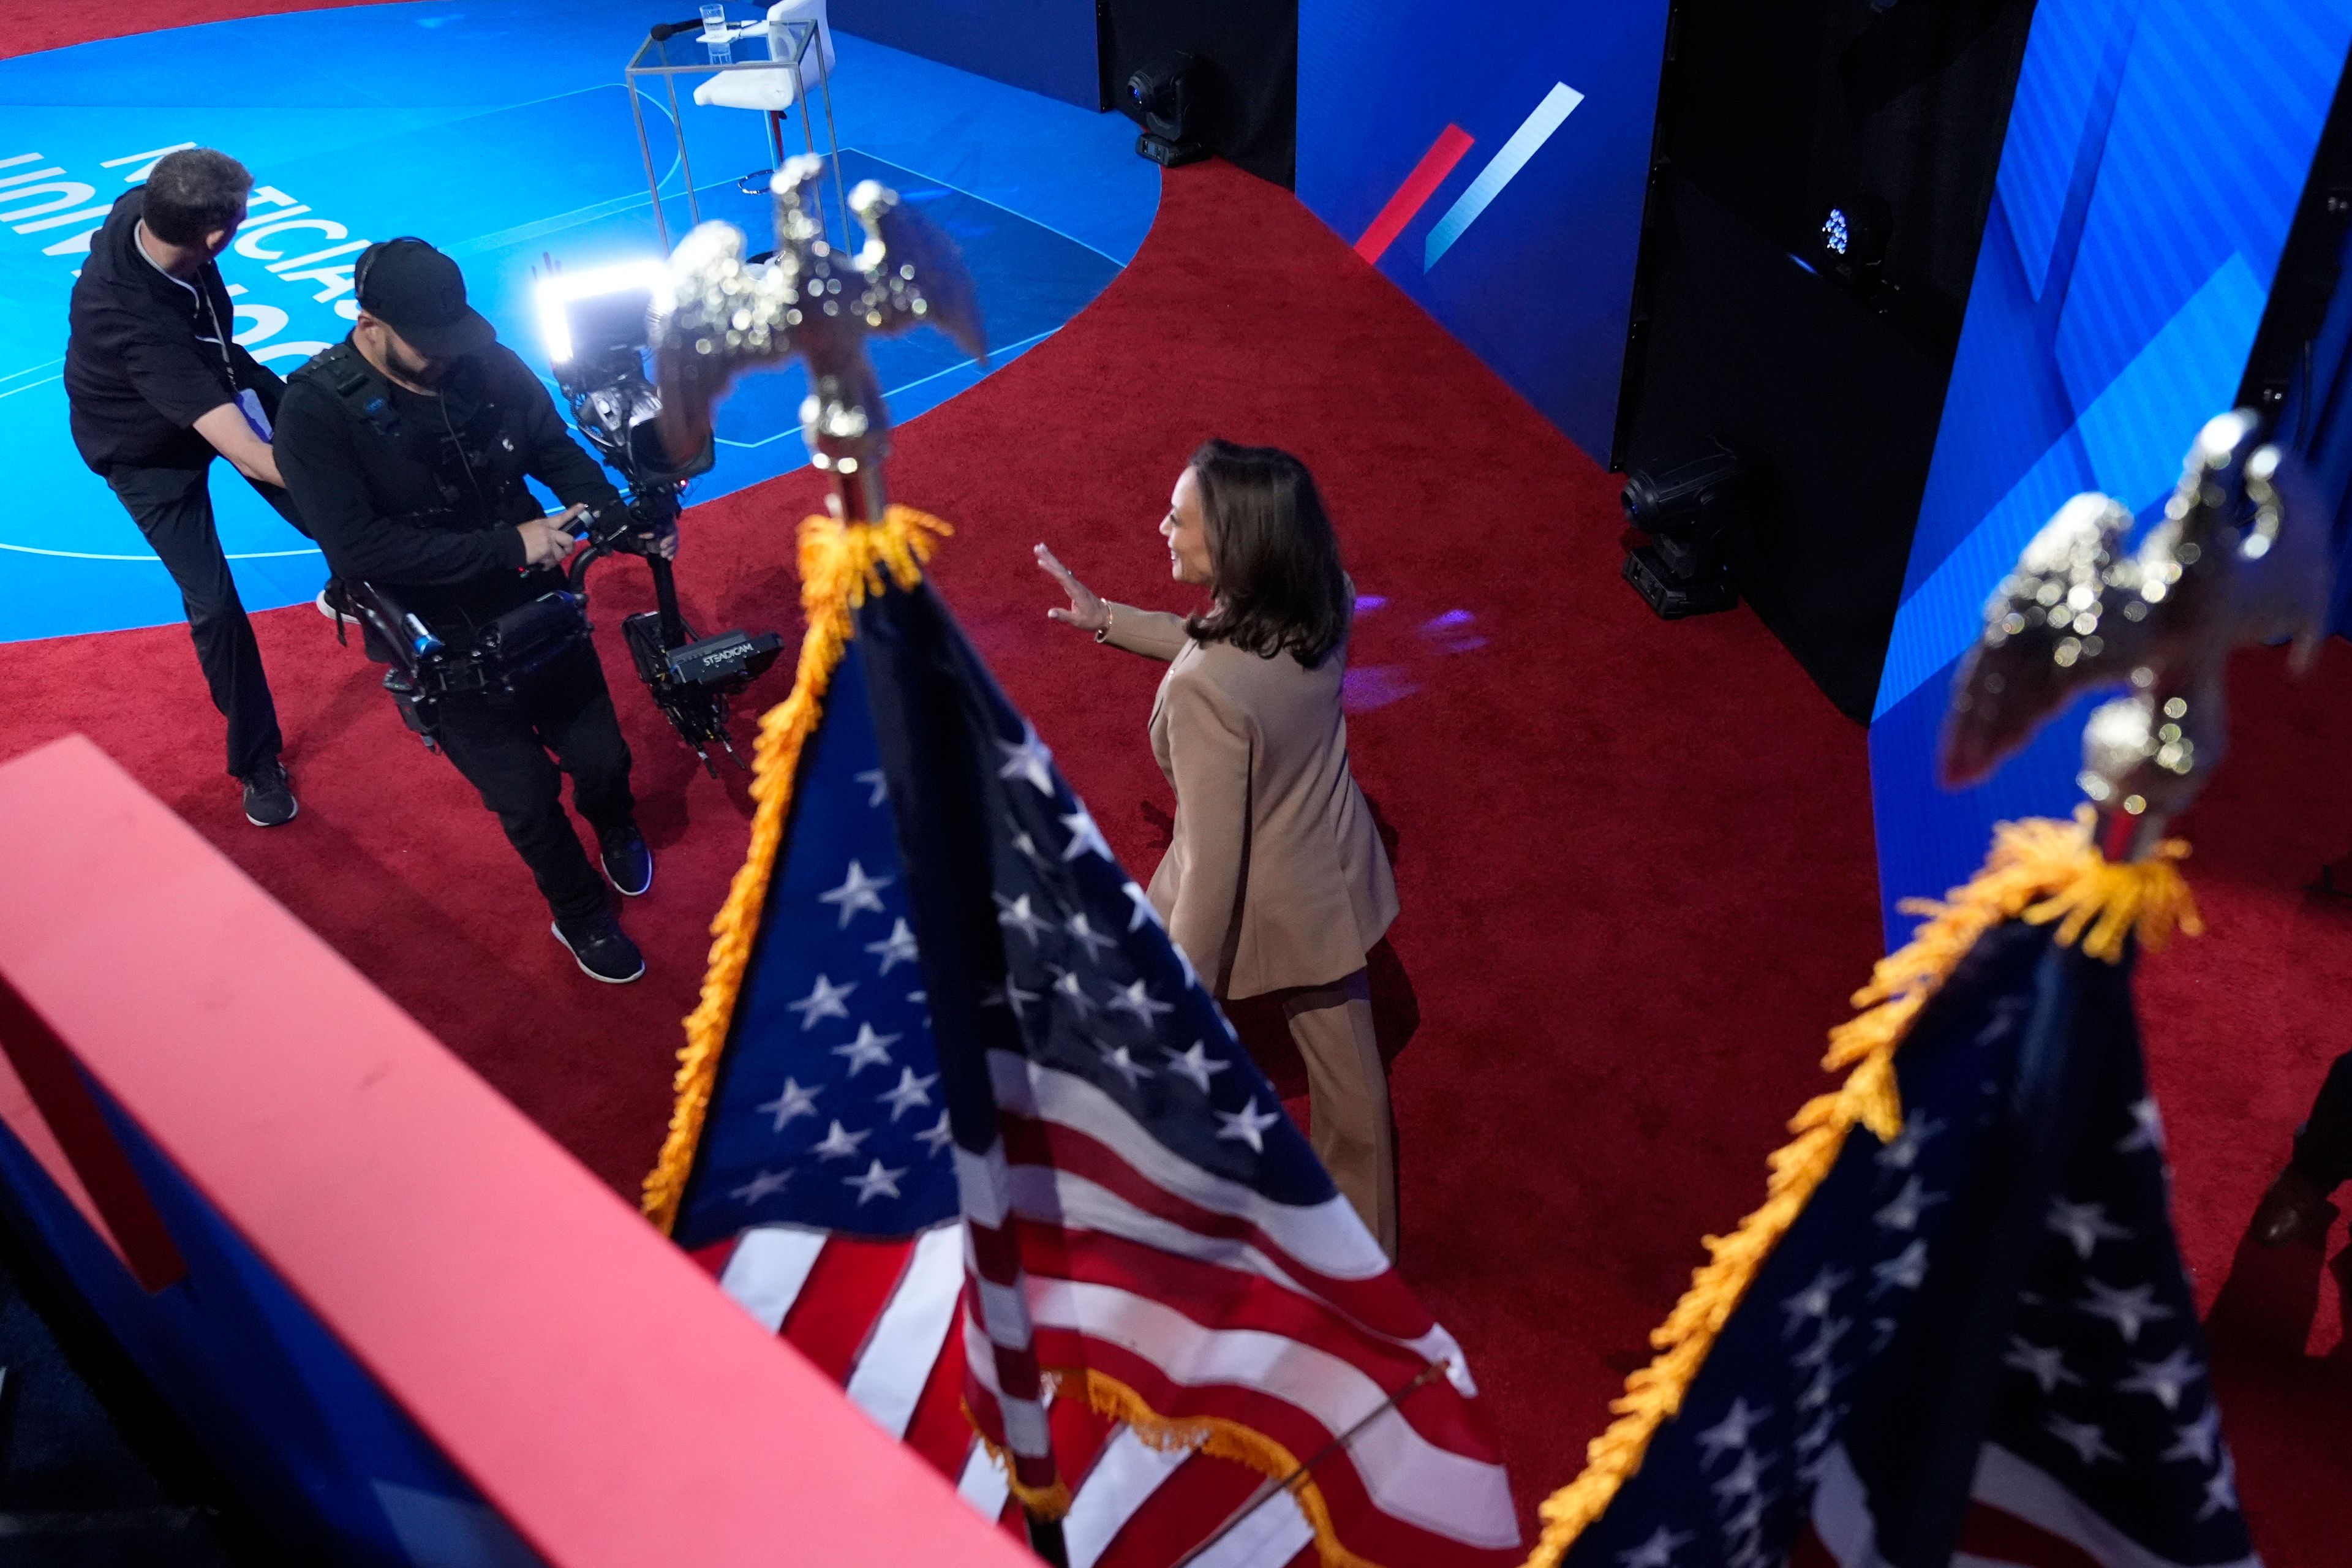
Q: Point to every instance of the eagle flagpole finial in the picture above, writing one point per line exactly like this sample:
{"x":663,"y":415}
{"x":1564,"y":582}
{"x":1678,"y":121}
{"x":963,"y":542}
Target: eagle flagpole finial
{"x":721,"y":315}
{"x":2238,"y":557}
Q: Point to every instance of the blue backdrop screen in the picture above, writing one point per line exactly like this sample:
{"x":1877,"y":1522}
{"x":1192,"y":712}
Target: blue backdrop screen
{"x":2155,"y":153}
{"x":1506,"y":146}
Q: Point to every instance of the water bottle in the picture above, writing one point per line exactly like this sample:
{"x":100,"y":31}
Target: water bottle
{"x":714,"y":34}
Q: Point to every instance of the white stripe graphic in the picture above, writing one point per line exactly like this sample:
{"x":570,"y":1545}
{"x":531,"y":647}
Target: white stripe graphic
{"x":767,"y":1270}
{"x":1408,"y":1476}
{"x":1533,"y":132}
{"x":1126,"y":1472}
{"x":1327,"y":1237}
{"x":898,"y":1355}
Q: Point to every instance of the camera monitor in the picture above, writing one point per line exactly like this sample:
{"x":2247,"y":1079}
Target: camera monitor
{"x":591,"y":315}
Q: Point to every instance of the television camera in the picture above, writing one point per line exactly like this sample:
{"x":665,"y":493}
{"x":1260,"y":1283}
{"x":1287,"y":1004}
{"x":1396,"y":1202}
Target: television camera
{"x":593,"y":324}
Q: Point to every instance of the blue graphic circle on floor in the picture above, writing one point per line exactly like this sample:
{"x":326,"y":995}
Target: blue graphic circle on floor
{"x":504,"y":140}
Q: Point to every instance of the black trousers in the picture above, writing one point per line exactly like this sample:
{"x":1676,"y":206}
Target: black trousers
{"x":173,"y":509}
{"x":2323,"y":1149}
{"x":502,"y":747}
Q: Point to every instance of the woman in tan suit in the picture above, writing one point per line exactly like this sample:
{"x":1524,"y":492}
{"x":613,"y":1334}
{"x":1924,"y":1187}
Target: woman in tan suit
{"x":1275,"y":882}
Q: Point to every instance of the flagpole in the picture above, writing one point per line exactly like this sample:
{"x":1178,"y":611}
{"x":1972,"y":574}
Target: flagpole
{"x":1272,"y":1485}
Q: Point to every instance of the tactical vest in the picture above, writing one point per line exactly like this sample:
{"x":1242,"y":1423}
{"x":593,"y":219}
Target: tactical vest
{"x":474,"y":465}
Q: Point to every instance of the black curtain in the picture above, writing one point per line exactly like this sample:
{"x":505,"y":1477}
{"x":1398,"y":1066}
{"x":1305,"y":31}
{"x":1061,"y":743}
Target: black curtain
{"x":1249,"y":80}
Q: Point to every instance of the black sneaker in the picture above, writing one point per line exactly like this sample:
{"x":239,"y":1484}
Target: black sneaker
{"x":628,"y":861}
{"x":602,"y":949}
{"x":268,"y":795}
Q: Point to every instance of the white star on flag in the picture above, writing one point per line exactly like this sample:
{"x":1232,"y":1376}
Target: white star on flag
{"x":1122,"y":1062}
{"x":858,"y":892}
{"x":1008,"y":995}
{"x":2147,"y":1128}
{"x":1017,"y":914}
{"x":879,"y":1180}
{"x":2166,"y":1380}
{"x":1069,"y":985}
{"x":1194,"y":1065}
{"x":839,"y":1141}
{"x":2046,"y":1364}
{"x":1142,"y":902}
{"x":1029,"y":760}
{"x":938,"y":1135}
{"x":912,"y":1091}
{"x":1247,"y":1125}
{"x":2220,"y":1489}
{"x":2128,"y":1311}
{"x":1730,"y":1435}
{"x":2084,"y":1436}
{"x":822,"y":1002}
{"x":1902,"y":1212}
{"x":1093,"y":941}
{"x":761,"y":1186}
{"x":1085,"y":838}
{"x":874,"y":780}
{"x":1137,"y":999}
{"x":896,"y":948}
{"x":2084,"y":1225}
{"x":1658,"y":1552}
{"x":868,"y":1049}
{"x":1814,"y":1300}
{"x":794,"y":1101}
{"x":1902,"y":1151}
{"x":2199,"y":1440}
{"x":1906,"y":1270}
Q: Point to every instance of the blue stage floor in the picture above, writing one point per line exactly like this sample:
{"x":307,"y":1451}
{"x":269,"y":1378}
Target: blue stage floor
{"x":500,"y":138}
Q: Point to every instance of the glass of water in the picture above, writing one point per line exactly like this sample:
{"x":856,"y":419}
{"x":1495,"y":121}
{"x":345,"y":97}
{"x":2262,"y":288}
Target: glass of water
{"x":714,"y":34}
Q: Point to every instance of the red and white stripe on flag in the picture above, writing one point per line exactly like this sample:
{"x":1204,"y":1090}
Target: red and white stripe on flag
{"x":884,"y":1319}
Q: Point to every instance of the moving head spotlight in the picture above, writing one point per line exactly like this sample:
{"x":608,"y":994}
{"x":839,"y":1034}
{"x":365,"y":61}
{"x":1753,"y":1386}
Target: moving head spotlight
{"x":1166,"y":94}
{"x":1685,"y":511}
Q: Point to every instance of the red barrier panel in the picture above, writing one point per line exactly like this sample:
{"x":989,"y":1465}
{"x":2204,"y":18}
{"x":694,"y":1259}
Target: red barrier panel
{"x":590,"y":1382}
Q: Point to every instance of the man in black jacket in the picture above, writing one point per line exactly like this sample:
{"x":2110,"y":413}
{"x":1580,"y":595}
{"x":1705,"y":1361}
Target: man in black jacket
{"x":158,"y":387}
{"x":406,"y":447}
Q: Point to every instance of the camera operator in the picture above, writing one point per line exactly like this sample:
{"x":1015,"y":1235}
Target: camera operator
{"x":406,"y":447}
{"x":158,"y":387}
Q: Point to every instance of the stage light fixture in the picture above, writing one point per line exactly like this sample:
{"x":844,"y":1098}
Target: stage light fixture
{"x":1853,"y":249}
{"x":1167,"y":94}
{"x":1685,"y":512}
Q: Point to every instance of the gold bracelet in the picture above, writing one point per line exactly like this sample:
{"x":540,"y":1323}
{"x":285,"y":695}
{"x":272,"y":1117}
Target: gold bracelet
{"x":1102,"y":632}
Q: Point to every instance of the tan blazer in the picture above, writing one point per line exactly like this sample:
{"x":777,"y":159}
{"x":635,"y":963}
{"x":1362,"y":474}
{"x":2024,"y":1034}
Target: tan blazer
{"x":1276,"y":877}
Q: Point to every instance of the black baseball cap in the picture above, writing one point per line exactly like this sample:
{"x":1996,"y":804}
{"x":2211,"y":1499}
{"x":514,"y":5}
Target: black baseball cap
{"x":419,"y":293}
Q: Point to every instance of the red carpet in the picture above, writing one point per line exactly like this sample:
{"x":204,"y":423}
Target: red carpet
{"x":1635,"y":858}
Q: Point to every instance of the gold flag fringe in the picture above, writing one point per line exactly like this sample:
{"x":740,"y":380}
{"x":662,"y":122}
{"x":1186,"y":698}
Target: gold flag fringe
{"x":2041,"y":870}
{"x":1049,"y":1502}
{"x":841,"y":563}
{"x":1217,"y":1437}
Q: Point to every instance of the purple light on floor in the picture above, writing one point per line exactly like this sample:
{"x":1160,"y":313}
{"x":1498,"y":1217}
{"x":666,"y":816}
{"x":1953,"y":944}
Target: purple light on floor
{"x":1447,"y":622}
{"x":1367,"y":603}
{"x":1374,"y":686}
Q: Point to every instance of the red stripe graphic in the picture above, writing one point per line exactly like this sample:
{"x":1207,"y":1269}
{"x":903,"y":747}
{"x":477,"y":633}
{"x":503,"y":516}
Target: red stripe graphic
{"x":1419,"y":186}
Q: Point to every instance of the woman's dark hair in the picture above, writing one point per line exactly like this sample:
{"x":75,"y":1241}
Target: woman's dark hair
{"x":1274,"y":561}
{"x":193,"y":192}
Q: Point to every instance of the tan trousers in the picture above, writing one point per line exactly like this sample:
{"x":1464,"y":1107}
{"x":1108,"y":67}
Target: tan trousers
{"x":1347,"y":1097}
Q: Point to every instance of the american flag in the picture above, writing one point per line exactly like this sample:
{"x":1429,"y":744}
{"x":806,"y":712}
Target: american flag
{"x":1978,"y":1338}
{"x":961,"y":1004}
